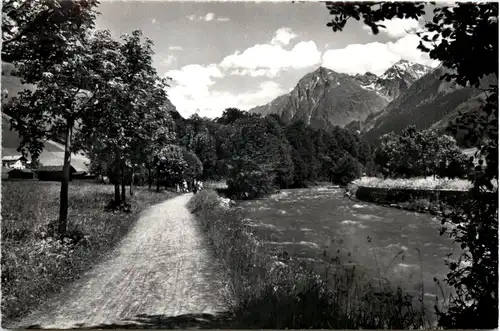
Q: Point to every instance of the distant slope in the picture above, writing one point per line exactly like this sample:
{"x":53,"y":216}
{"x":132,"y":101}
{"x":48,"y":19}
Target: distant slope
{"x":11,"y":85}
{"x":429,"y":102}
{"x":325,"y":98}
{"x":53,"y":153}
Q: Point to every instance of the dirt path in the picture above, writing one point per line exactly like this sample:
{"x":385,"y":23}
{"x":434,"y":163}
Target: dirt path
{"x":163,"y":268}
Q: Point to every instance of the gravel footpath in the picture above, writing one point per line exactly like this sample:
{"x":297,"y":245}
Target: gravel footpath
{"x":163,"y":268}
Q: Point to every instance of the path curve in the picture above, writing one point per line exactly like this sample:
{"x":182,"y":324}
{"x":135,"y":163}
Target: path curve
{"x":163,"y":267}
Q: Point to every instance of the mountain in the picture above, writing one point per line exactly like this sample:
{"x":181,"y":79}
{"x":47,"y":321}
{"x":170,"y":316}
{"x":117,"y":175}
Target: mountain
{"x":394,"y":80}
{"x":325,"y":98}
{"x":428,"y":103}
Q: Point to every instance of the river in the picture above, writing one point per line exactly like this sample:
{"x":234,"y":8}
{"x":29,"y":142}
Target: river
{"x":405,"y":247}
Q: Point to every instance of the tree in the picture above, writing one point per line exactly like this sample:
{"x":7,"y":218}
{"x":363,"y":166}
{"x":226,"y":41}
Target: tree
{"x":205,"y":149}
{"x":416,"y":153}
{"x":50,"y":49}
{"x":171,"y":165}
{"x":194,"y":168}
{"x":257,"y":146}
{"x":347,"y":170}
{"x":305,"y":161}
{"x":231,"y":115}
{"x":130,"y":121}
{"x":40,"y":29}
{"x":464,"y":38}
{"x":249,"y":180}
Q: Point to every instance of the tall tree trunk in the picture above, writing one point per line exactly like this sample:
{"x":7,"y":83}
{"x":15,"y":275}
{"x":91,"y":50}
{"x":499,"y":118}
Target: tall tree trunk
{"x":150,"y":177}
{"x":63,"y":207}
{"x":158,"y":179}
{"x":117,"y":192}
{"x":132,"y":183}
{"x":116,"y":177}
{"x":122,"y":177}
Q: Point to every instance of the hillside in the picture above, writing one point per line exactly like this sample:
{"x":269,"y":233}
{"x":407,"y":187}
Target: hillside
{"x":429,"y":102}
{"x":11,"y":85}
{"x":325,"y":98}
{"x":52,"y":155}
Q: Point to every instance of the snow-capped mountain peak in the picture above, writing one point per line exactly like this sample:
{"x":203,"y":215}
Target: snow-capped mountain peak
{"x":404,"y":68}
{"x":394,"y":80}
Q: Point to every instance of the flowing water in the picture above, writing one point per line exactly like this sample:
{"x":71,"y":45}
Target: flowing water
{"x":405,"y":247}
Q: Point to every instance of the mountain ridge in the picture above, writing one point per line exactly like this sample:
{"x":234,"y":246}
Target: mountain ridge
{"x":429,"y":103}
{"x":325,"y":98}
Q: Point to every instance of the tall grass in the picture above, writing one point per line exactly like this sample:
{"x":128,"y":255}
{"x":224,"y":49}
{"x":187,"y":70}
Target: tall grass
{"x":278,"y":292}
{"x":428,"y":183}
{"x":35,"y":264}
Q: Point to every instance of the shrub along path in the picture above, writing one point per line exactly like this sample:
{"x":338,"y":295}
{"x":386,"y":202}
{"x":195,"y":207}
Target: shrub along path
{"x":162,"y":269}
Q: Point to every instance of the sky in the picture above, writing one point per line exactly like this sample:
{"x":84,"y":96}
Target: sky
{"x":245,"y":54}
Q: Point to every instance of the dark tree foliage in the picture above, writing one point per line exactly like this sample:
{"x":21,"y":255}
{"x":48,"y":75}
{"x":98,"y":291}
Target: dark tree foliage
{"x":39,"y":29}
{"x":260,"y":154}
{"x":464,"y":37}
{"x":231,"y":115}
{"x":346,"y":170}
{"x":415,"y":153}
{"x":372,"y":13}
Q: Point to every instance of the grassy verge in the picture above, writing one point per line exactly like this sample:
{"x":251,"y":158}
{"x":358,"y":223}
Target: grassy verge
{"x":34,"y":263}
{"x":428,"y":183}
{"x":278,"y":292}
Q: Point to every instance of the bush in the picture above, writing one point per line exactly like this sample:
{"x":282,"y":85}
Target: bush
{"x":347,"y":170}
{"x":415,"y":153}
{"x":250,"y":184}
{"x":35,"y":264}
{"x":275,"y":291}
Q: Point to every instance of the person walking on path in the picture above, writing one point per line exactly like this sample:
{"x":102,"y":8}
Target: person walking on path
{"x":195,"y":186}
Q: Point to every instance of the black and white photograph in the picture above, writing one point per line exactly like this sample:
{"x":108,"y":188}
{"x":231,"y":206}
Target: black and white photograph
{"x":241,"y":164}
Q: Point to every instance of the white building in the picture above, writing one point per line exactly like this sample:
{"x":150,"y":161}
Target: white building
{"x":14,"y":162}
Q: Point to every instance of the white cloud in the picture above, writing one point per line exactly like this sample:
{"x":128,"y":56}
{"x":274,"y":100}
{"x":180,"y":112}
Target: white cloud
{"x":375,"y":57}
{"x":213,"y":104}
{"x":274,"y":57}
{"x":207,"y":18}
{"x":190,"y":86}
{"x":175,"y":48}
{"x":283,"y":36}
{"x":191,"y":92}
{"x":271,"y":73}
{"x":397,"y":27}
{"x":169,"y":60}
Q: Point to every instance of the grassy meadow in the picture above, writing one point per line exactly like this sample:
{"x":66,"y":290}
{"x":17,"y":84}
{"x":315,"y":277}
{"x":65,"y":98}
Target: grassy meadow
{"x":34,"y":263}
